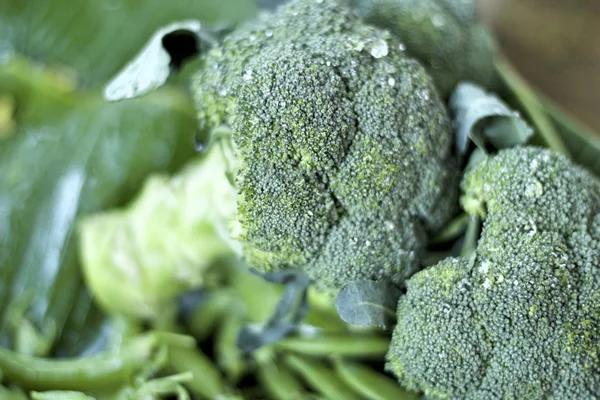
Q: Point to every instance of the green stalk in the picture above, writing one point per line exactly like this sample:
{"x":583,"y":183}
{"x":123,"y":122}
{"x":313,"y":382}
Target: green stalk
{"x":207,"y":381}
{"x":336,"y":344}
{"x":321,"y":378}
{"x":106,"y":370}
{"x":371,"y":384}
{"x":278,"y":380}
{"x":530,"y":102}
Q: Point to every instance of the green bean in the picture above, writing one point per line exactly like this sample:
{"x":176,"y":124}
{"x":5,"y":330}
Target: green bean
{"x":11,"y":394}
{"x":278,"y":381}
{"x":168,"y":385}
{"x":320,"y":378}
{"x":203,"y":321}
{"x":336,"y":344}
{"x":207,"y":381}
{"x":322,"y":313}
{"x":228,"y":355}
{"x":259,"y":296}
{"x":370,"y":384}
{"x":27,"y":339}
{"x":109,"y":369}
{"x":60,"y":395}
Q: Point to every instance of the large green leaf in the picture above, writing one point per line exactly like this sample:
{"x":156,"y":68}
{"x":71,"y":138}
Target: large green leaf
{"x":96,"y":38}
{"x":69,"y":152}
{"x":72,"y":153}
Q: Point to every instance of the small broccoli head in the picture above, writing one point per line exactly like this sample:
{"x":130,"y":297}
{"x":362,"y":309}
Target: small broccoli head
{"x":445,"y":36}
{"x":343,"y":145}
{"x":521,"y":319}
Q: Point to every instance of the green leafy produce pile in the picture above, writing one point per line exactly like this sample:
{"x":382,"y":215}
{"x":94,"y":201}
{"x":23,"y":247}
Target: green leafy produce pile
{"x":378,"y":207}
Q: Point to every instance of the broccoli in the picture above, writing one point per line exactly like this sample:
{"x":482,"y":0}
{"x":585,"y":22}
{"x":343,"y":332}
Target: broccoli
{"x":521,"y":318}
{"x":343,"y":148}
{"x":445,"y":35}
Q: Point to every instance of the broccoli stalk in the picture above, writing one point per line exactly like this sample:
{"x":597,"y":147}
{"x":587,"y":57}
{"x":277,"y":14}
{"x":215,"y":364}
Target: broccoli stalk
{"x":520,"y":319}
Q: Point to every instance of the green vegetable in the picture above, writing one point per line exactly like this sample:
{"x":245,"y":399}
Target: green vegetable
{"x":529,"y":101}
{"x":342,"y":145}
{"x":320,"y":377}
{"x":71,"y":154}
{"x":11,"y":394}
{"x":227,"y":354}
{"x":100,"y":372}
{"x":445,"y":35}
{"x":520,"y":318}
{"x":582,"y":142}
{"x":369,"y":383}
{"x":279,"y":381}
{"x":65,"y":152}
{"x":207,"y":380}
{"x":95,"y":39}
{"x":60,"y":395}
{"x":348,"y":345}
{"x":202,"y":321}
{"x":368,"y":303}
{"x":485,"y":119}
{"x":137,"y":260}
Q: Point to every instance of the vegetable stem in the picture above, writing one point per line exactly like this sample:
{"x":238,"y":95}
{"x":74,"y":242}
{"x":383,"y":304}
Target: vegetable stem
{"x":336,"y":344}
{"x":207,"y":381}
{"x":109,"y":369}
{"x":531,"y":104}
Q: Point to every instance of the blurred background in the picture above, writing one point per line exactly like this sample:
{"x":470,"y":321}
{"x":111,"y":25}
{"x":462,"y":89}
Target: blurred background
{"x":555,"y":44}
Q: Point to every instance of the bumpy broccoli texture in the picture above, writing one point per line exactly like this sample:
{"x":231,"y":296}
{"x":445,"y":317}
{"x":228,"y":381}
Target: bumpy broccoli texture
{"x":342,"y":144}
{"x":445,"y":35}
{"x":521,"y":319}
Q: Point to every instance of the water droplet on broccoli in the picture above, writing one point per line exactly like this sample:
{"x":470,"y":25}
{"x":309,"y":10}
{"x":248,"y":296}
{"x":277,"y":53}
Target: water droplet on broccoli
{"x":438,"y":20}
{"x":379,"y":48}
{"x":247,"y":75}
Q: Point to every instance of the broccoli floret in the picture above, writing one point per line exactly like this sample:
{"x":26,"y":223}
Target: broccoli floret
{"x":521,"y":318}
{"x":445,"y":35}
{"x":343,"y":146}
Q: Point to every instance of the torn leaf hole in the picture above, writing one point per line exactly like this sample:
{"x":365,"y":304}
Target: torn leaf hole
{"x":181,"y":46}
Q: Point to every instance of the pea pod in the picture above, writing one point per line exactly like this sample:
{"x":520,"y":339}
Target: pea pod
{"x":206,"y":381}
{"x":336,"y":344}
{"x":202,"y":321}
{"x":228,"y":355}
{"x":109,"y":369}
{"x":11,"y":394}
{"x":320,"y":378}
{"x":370,"y":384}
{"x":106,"y":370}
{"x":60,"y":395}
{"x":279,"y":381}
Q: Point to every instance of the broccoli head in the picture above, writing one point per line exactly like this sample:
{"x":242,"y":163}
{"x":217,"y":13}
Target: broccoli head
{"x":445,"y":35}
{"x":343,"y":147}
{"x":521,"y":318}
